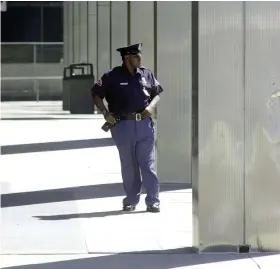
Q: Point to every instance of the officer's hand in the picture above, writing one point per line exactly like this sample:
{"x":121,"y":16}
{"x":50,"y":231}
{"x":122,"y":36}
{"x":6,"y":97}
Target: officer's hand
{"x":109,"y":118}
{"x":147,"y":112}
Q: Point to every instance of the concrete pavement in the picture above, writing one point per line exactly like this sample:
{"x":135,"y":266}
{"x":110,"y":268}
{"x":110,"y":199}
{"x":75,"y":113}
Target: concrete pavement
{"x":61,"y":198}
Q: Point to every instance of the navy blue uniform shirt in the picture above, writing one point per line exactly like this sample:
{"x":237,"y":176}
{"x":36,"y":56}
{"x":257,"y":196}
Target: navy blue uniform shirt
{"x":127,"y":93}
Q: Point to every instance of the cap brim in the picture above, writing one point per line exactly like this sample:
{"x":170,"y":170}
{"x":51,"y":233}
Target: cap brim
{"x":135,"y":53}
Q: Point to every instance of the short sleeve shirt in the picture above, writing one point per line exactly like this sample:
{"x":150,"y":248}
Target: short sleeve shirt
{"x":127,"y":93}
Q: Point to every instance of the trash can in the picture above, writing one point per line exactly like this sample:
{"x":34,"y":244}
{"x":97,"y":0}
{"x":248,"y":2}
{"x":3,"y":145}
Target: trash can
{"x":80,"y":81}
{"x":66,"y":85}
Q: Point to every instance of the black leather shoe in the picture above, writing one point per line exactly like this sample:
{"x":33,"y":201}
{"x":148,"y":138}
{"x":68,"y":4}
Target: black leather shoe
{"x":153,"y":208}
{"x":128,"y":208}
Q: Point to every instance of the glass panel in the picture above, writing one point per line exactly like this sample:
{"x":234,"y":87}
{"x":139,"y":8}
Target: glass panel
{"x":16,"y":53}
{"x":52,"y":24}
{"x":50,"y":89}
{"x":49,"y":53}
{"x":17,"y":90}
{"x":21,"y":24}
{"x":31,"y":89}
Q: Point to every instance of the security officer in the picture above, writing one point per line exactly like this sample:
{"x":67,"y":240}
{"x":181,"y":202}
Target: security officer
{"x":132,"y":93}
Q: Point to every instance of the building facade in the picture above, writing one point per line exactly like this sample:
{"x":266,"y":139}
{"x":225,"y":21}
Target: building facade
{"x":218,"y":123}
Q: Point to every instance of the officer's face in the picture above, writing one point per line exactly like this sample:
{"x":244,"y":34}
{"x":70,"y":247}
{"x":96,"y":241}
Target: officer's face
{"x":134,"y":61}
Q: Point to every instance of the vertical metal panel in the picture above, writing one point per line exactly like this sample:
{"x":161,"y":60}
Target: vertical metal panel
{"x":194,"y":126}
{"x":77,"y":38}
{"x":103,"y":38}
{"x":142,"y":29}
{"x":65,"y":33}
{"x":83,"y":31}
{"x":92,"y":34}
{"x":262,"y":120}
{"x":174,"y":73}
{"x":221,"y":125}
{"x":70,"y":33}
{"x":119,"y":29}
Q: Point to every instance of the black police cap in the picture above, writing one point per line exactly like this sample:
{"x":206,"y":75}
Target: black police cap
{"x":135,"y":49}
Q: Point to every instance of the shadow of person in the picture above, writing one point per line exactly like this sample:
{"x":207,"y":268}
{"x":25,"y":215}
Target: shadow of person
{"x":75,"y":193}
{"x":87,"y":215}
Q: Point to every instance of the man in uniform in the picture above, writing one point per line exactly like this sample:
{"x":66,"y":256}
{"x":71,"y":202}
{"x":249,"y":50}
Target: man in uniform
{"x":132,"y":93}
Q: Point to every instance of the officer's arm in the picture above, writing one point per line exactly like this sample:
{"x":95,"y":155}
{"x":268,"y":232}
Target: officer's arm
{"x":98,"y":92}
{"x":154,"y":102}
{"x":155,"y":94}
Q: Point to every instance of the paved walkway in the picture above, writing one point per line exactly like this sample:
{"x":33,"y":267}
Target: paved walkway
{"x":61,"y":198}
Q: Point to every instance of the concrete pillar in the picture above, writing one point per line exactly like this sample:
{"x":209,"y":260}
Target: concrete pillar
{"x":262,"y":125}
{"x":236,"y":168}
{"x":218,"y":183}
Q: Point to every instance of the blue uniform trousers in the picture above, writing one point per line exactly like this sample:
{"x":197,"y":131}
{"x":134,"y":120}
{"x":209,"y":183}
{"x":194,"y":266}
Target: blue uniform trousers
{"x":135,"y":142}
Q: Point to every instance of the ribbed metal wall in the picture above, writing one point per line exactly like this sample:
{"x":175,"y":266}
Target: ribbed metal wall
{"x":84,"y":31}
{"x":80,"y":32}
{"x":262,"y":124}
{"x":66,"y":33}
{"x":118,"y":30}
{"x":70,"y":7}
{"x":103,"y":37}
{"x":142,"y":29}
{"x":221,"y":124}
{"x":77,"y":31}
{"x":174,"y":73}
{"x":92,"y":34}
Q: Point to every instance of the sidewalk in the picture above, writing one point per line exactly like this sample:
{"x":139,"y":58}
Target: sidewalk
{"x":61,"y":199}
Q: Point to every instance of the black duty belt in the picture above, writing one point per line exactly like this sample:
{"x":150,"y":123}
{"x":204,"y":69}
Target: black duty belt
{"x":129,"y":116}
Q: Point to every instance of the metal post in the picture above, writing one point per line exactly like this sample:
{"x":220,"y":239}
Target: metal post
{"x":35,"y":87}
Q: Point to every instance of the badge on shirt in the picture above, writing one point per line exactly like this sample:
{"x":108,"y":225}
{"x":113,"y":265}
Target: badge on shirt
{"x":144,"y":82}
